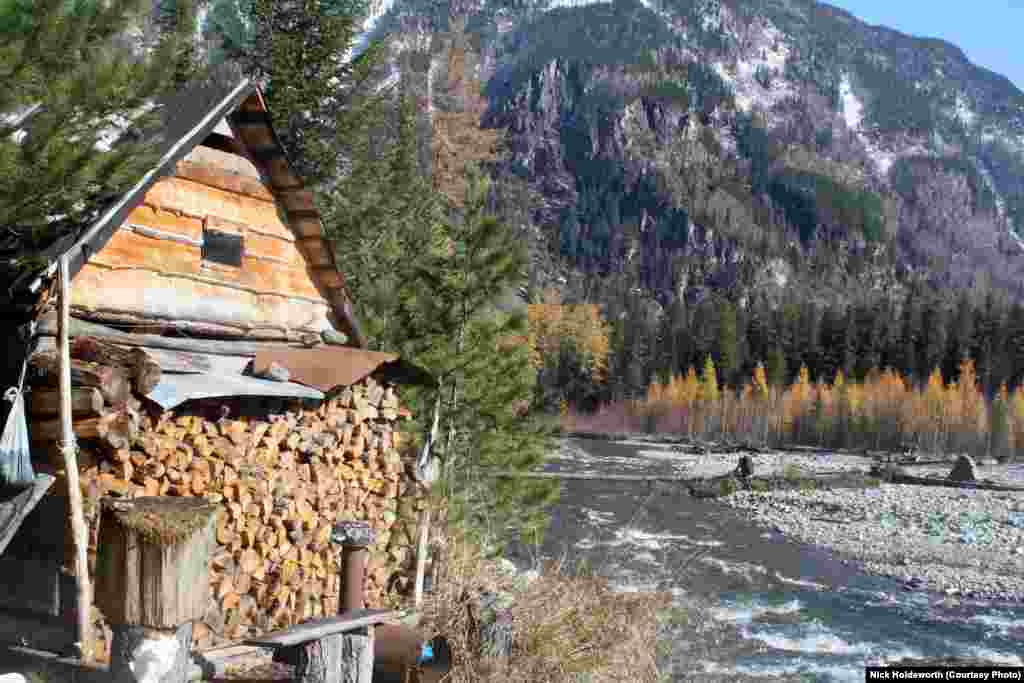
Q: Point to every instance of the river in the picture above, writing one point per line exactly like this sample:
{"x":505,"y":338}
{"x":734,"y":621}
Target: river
{"x":750,"y":604}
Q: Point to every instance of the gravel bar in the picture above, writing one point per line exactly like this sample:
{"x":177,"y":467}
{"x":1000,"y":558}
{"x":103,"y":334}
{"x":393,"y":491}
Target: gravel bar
{"x":960,"y":542}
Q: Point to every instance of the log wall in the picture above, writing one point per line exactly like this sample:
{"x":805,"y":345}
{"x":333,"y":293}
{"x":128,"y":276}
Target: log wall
{"x":152,"y":267}
{"x":282,"y":473}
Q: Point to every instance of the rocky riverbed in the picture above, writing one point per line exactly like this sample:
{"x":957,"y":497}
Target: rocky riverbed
{"x":965,"y":543}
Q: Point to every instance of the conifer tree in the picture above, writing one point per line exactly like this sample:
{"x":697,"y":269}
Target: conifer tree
{"x":69,"y":92}
{"x":445,"y":312}
{"x":728,"y":342}
{"x":776,"y":367}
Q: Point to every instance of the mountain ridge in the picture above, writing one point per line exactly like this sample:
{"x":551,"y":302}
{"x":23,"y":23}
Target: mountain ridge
{"x":690,"y":147}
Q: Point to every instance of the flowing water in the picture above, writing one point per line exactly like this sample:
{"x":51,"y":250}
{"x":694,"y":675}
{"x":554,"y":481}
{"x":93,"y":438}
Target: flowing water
{"x":751,"y":605}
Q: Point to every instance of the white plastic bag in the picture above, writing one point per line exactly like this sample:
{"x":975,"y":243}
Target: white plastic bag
{"x":15,"y":458}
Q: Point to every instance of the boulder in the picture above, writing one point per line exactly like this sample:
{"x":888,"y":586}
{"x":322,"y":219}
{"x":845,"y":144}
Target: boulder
{"x":964,"y":469}
{"x":745,"y":467}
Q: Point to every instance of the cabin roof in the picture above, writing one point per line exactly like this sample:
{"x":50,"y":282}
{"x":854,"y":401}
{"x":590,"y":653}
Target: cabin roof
{"x":187,"y":117}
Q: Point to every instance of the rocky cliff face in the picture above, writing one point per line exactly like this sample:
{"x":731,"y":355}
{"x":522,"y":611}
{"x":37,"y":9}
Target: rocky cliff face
{"x":698,"y":145}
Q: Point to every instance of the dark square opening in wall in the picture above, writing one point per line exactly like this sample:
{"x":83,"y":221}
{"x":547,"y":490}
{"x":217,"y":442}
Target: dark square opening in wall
{"x":224,"y":248}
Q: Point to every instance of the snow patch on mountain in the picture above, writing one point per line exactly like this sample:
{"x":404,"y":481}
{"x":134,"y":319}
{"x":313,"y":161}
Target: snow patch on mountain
{"x":964,"y":111}
{"x":853,"y":108}
{"x":756,"y":77}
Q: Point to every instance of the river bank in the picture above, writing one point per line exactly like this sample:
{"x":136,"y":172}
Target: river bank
{"x":752,"y":603}
{"x":962,"y":543}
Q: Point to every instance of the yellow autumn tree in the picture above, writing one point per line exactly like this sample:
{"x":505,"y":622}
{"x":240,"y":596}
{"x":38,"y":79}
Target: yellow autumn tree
{"x":708,"y":382}
{"x":760,"y":382}
{"x":458,"y":138}
{"x":579,"y":329}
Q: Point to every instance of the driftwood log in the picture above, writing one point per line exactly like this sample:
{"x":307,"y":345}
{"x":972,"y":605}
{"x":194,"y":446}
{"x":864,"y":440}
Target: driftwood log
{"x":893,"y":475}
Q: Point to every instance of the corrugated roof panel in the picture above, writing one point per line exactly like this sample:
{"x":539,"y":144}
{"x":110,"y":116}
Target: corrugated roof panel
{"x":175,"y":389}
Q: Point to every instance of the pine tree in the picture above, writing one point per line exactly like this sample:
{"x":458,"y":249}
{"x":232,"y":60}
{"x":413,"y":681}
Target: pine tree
{"x":445,"y":310}
{"x":323,"y":105}
{"x":728,"y":343}
{"x":776,"y":367}
{"x":68,"y":89}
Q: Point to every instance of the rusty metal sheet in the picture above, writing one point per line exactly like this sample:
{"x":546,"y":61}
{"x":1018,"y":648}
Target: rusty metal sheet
{"x":324,"y":368}
{"x":175,"y":389}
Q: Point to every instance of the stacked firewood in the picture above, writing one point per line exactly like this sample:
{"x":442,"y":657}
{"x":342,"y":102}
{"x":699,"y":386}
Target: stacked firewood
{"x":282,"y":479}
{"x":103,"y":379}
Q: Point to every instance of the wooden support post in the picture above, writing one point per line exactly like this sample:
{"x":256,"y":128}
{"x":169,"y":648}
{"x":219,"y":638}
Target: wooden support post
{"x":68,"y":447}
{"x":422,"y":548}
{"x":153,"y":582}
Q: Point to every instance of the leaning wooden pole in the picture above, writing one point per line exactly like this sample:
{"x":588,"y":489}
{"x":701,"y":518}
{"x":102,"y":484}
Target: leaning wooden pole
{"x":69,"y":449}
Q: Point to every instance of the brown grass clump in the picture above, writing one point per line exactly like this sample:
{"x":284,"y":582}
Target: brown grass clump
{"x":564,"y":628}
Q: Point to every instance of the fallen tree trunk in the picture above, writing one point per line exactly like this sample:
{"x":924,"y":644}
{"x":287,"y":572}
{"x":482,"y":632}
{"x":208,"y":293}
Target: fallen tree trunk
{"x":903,"y":478}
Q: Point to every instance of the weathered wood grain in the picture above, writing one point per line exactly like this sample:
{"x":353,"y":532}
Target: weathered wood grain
{"x":196,"y":199}
{"x":287,"y":275}
{"x":85,"y":401}
{"x":234,"y":349}
{"x":111,"y":382}
{"x":183,"y":298}
{"x":320,"y":628}
{"x":143,"y":370}
{"x":144,"y":582}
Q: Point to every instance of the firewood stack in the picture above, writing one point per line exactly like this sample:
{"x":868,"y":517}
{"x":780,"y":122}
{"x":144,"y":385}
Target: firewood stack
{"x":281,"y":480}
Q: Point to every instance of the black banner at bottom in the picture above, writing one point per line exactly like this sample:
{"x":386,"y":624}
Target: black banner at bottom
{"x":943,"y":673}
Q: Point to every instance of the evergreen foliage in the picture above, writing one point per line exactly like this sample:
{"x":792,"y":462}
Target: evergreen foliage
{"x":70,"y":92}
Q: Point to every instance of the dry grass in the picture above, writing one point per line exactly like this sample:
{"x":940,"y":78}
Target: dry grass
{"x":565,"y":629}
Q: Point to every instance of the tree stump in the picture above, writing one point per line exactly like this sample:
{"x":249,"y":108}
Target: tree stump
{"x":349,"y":655}
{"x":152,"y":582}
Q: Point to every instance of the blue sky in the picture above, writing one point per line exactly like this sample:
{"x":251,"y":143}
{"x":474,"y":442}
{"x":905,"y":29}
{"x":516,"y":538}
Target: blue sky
{"x":990,"y":32}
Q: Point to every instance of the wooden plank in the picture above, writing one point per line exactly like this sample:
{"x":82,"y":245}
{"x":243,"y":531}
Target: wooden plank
{"x":131,"y":249}
{"x":319,"y":628}
{"x":200,"y":170}
{"x":173,"y":222}
{"x":188,"y":302}
{"x":14,"y":509}
{"x":169,"y":361}
{"x":236,"y":349}
{"x":196,"y":199}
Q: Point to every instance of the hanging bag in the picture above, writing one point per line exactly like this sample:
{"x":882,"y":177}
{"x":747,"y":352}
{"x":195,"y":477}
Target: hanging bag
{"x":15,"y":457}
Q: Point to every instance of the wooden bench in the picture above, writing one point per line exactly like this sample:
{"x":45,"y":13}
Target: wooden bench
{"x":329,"y":650}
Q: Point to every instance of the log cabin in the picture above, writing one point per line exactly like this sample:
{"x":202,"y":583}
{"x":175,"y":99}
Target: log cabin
{"x":214,"y":353}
